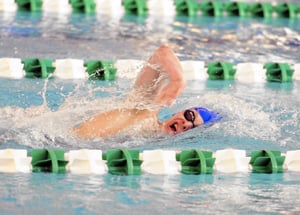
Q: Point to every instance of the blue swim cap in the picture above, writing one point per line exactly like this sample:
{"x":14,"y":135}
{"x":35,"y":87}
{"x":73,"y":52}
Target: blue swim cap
{"x":207,"y":115}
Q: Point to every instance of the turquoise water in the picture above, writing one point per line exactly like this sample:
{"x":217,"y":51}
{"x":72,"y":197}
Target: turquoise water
{"x":37,"y":113}
{"x":148,"y":194}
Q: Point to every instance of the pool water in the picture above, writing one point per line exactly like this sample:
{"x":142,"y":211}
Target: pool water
{"x":150,"y":194}
{"x":37,"y":113}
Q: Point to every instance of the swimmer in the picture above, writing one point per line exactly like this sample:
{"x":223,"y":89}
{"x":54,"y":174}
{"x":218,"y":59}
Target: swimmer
{"x":158,"y":84}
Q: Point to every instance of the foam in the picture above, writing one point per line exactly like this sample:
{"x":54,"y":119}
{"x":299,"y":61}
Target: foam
{"x":242,"y":118}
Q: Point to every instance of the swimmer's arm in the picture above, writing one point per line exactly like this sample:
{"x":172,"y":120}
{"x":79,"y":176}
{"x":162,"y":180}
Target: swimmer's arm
{"x":168,"y":63}
{"x":110,"y":123}
{"x":103,"y":125}
{"x":172,"y":67}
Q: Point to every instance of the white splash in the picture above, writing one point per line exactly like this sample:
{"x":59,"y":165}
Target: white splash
{"x":242,"y":118}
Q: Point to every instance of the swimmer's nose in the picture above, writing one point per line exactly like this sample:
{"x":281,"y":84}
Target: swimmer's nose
{"x":185,"y":126}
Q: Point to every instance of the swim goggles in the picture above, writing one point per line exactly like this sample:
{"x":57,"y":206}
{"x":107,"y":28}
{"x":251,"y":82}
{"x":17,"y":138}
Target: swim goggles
{"x":189,"y":115}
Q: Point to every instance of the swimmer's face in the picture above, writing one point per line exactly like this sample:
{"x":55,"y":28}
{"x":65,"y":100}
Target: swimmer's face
{"x":182,"y":121}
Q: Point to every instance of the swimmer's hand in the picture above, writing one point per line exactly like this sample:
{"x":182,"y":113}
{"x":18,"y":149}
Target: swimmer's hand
{"x":169,"y":93}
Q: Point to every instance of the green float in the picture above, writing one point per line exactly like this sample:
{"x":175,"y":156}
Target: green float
{"x":83,"y":6}
{"x":136,"y":7}
{"x":264,"y":161}
{"x":261,"y":10}
{"x":240,"y":9}
{"x":279,"y":72}
{"x":47,"y":160}
{"x":29,"y":5}
{"x":211,"y":8}
{"x":101,"y":70}
{"x":38,"y":68}
{"x":288,"y":10}
{"x":196,"y":162}
{"x":221,"y":71}
{"x":186,"y":7}
{"x":123,"y":162}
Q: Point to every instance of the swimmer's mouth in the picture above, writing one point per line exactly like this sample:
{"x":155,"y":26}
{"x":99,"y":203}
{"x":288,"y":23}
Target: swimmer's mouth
{"x":173,"y":127}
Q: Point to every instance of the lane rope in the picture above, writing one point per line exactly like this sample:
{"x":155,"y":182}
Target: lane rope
{"x":16,"y":68}
{"x":135,"y":162}
{"x":156,"y":7}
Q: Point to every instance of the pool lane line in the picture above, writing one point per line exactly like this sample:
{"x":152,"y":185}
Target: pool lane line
{"x":157,"y":161}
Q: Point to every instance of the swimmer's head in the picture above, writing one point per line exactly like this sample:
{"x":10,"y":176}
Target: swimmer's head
{"x":188,"y":119}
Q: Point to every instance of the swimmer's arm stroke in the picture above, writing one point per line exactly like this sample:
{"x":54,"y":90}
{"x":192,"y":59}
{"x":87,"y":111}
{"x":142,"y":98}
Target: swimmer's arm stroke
{"x":165,"y":59}
{"x":112,"y":122}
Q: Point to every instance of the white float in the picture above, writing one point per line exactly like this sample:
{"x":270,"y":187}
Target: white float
{"x":296,"y":74}
{"x":160,"y":162}
{"x":194,"y":70}
{"x":14,"y":160}
{"x":8,"y":5}
{"x":70,"y":69}
{"x":56,"y":6}
{"x":161,"y":8}
{"x":11,"y":68}
{"x":292,"y":160}
{"x":231,"y":160}
{"x":111,"y":7}
{"x":250,"y":73}
{"x":85,"y":161}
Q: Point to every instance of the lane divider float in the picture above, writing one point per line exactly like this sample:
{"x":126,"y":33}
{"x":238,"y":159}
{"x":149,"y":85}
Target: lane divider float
{"x":145,"y":7}
{"x":108,"y":70}
{"x":160,"y":162}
